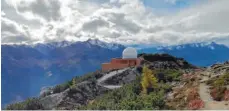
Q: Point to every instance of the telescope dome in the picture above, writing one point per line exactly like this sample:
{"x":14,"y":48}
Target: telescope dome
{"x":129,"y":53}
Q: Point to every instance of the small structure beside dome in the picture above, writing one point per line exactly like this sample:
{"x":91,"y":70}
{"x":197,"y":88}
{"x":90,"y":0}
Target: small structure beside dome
{"x":129,"y":58}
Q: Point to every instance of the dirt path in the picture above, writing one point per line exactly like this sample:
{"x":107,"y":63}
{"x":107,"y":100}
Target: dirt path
{"x":204,"y":93}
{"x":210,"y":104}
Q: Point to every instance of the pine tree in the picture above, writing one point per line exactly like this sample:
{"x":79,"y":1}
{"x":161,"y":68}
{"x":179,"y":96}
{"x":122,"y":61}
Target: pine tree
{"x":149,"y":81}
{"x":73,"y":82}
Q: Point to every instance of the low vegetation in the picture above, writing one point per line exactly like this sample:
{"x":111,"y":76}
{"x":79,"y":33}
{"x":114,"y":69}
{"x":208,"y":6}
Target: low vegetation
{"x":148,"y":91}
{"x":29,"y":104}
{"x":218,"y":89}
{"x":72,"y":83}
{"x":129,"y":97}
{"x":168,"y":75}
{"x":219,"y":81}
{"x":145,"y":93}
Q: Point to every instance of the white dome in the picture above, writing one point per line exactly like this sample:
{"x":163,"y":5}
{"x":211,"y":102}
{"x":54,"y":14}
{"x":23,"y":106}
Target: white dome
{"x":129,"y":52}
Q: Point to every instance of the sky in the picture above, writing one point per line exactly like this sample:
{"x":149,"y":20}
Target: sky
{"x":156,"y":22}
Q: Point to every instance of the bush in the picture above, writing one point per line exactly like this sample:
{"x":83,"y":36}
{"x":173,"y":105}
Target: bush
{"x":192,"y":94}
{"x":226,"y":95}
{"x":220,"y":81}
{"x":128,"y":97}
{"x":153,"y":101}
{"x":60,"y":88}
{"x":78,"y":79}
{"x":196,"y":104}
{"x":165,"y":87}
{"x":29,"y":104}
{"x":217,"y":93}
{"x":168,"y":75}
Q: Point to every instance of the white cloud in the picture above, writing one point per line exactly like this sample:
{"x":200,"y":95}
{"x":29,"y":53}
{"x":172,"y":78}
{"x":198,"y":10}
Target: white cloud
{"x":49,"y":73}
{"x":123,"y":21}
{"x":171,"y":1}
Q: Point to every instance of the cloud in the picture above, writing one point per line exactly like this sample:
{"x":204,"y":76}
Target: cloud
{"x":122,"y":21}
{"x":49,"y":73}
{"x":13,"y":32}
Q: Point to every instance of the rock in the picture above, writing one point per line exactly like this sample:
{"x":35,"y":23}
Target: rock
{"x":123,"y":78}
{"x":46,"y":91}
{"x":51,"y":101}
{"x":73,"y":97}
{"x":165,"y":61}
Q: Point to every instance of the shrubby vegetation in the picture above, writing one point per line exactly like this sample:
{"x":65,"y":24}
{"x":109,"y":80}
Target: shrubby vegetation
{"x":217,"y":93}
{"x":34,"y":104}
{"x":218,"y":86}
{"x":145,"y":93}
{"x":219,"y":81}
{"x":168,"y":75}
{"x":148,"y":91}
{"x":72,"y":83}
{"x":129,"y":97}
{"x":29,"y":104}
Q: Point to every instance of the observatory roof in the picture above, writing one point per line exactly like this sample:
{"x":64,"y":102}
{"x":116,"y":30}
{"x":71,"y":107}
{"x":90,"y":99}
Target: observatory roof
{"x":129,"y":52}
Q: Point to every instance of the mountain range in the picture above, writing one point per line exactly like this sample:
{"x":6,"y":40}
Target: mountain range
{"x":200,"y":54}
{"x":26,"y":69}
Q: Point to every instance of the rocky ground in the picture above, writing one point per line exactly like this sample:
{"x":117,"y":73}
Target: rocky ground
{"x":194,"y":92}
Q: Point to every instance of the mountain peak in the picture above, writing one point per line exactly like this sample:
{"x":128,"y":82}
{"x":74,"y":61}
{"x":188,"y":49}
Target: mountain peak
{"x":112,"y":46}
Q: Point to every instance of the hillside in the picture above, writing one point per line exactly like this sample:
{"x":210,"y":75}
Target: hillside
{"x":121,"y":89}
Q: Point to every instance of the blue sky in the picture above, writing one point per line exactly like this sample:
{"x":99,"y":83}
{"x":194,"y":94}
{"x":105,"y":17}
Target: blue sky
{"x":159,"y":22}
{"x":162,"y":4}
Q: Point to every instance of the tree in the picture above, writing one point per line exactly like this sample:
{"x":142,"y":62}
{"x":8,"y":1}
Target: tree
{"x":73,"y":82}
{"x":149,"y":81}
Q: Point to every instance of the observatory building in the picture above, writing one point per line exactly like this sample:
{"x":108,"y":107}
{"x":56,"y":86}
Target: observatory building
{"x":129,"y":58}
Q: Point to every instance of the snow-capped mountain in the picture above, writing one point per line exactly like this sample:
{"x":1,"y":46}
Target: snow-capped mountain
{"x":200,"y":54}
{"x":207,"y":45}
{"x":111,"y":46}
{"x":53,"y":45}
{"x":89,"y":42}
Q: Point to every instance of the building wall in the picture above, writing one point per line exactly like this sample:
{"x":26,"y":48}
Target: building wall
{"x":117,"y":63}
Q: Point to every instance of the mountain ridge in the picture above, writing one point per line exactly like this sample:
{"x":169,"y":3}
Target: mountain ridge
{"x":208,"y":53}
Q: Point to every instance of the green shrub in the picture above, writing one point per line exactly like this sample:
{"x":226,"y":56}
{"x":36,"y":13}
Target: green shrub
{"x":60,"y":88}
{"x":219,"y":81}
{"x":75,"y":80}
{"x":153,"y":101}
{"x":29,"y":104}
{"x":128,"y":97}
{"x":165,"y":87}
{"x":169,"y":75}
